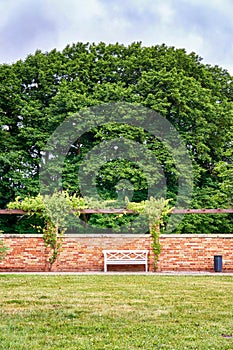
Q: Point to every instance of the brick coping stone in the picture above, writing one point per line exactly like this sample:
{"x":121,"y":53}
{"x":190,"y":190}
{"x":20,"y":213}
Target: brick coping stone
{"x":126,"y":235}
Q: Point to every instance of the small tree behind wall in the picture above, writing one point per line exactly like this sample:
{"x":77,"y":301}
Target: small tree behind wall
{"x":54,"y":209}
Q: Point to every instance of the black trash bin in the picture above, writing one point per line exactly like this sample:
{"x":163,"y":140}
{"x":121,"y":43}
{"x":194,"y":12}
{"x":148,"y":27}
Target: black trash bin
{"x":218,"y":263}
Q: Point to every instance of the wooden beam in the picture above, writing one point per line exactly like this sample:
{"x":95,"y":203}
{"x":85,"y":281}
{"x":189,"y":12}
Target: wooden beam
{"x":202,"y":211}
{"x":107,"y":211}
{"x":125,"y":211}
{"x":12,"y":211}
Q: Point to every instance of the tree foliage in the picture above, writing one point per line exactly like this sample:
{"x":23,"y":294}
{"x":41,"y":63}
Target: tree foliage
{"x":37,"y":94}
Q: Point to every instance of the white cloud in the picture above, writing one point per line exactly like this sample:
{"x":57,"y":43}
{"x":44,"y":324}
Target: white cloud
{"x":166,"y":12}
{"x":196,"y":25}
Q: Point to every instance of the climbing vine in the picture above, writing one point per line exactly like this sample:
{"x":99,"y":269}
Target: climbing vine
{"x":54,"y":210}
{"x":3,"y":249}
{"x":156,"y":210}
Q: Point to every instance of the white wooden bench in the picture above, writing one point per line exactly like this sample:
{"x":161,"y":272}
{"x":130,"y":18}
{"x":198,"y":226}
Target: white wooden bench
{"x":125,"y":257}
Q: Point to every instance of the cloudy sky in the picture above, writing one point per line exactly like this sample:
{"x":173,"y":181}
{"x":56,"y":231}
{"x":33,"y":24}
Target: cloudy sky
{"x":202,"y":26}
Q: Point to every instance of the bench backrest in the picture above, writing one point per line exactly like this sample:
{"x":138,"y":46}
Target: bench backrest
{"x":140,"y":255}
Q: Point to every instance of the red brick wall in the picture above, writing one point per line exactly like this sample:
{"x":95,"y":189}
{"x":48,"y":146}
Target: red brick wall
{"x":195,"y":252}
{"x":79,"y":253}
{"x":84,"y":252}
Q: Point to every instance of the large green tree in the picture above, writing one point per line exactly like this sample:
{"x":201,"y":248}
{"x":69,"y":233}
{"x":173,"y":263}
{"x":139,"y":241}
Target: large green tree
{"x":37,"y":94}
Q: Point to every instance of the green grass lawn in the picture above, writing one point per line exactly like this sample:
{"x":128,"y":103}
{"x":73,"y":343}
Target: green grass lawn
{"x":116,"y":312}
